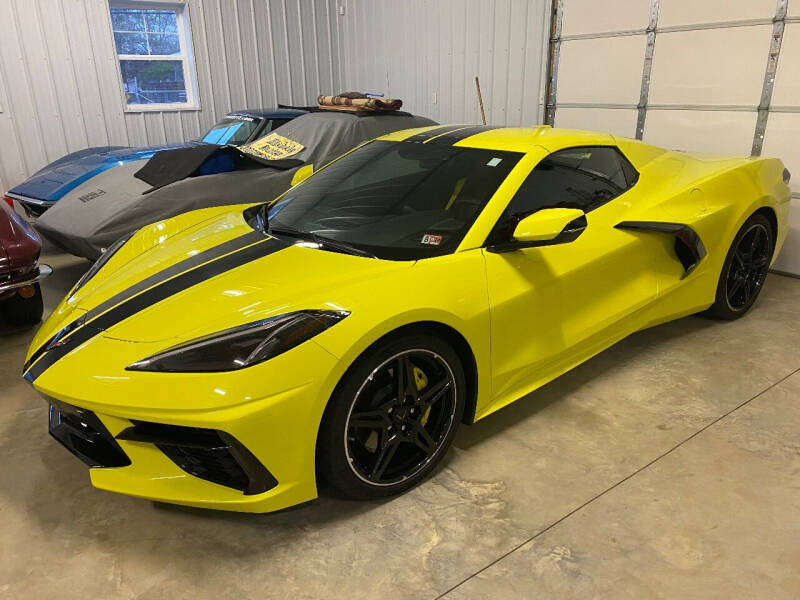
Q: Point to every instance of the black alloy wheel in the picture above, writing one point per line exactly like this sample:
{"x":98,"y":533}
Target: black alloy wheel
{"x":392,"y":417}
{"x":748,"y":270}
{"x":745,"y":269}
{"x":401,"y":414}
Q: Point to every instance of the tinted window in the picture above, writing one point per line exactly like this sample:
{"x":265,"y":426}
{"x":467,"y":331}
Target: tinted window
{"x":399,"y":201}
{"x":232,"y":130}
{"x":584,"y":178}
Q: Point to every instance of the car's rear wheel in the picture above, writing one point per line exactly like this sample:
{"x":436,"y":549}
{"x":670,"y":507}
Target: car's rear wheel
{"x":25,"y":307}
{"x":745,"y":269}
{"x":392,"y":417}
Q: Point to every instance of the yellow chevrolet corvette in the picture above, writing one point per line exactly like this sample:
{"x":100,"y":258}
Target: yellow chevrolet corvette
{"x":231,"y":357}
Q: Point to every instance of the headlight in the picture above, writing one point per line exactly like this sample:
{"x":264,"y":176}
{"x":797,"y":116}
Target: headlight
{"x":242,"y":346}
{"x":101,"y":262}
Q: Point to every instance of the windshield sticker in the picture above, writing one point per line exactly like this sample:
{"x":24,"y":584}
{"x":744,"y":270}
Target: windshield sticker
{"x":494,"y":162}
{"x":273,"y":147}
{"x":431,"y":239}
{"x":240,"y":118}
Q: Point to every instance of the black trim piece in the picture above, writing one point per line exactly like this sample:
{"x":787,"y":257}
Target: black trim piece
{"x":153,"y":295}
{"x":461,"y":134}
{"x":85,"y":436}
{"x":431,"y":133}
{"x":689,"y":248}
{"x":209,"y":454}
{"x":179,"y":267}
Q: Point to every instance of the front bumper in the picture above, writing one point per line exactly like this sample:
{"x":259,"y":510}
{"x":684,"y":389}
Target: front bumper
{"x":242,"y":441}
{"x":207,"y":454}
{"x":24,"y":280}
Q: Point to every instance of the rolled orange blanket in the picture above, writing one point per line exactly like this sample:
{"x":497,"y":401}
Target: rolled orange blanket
{"x":359,"y":104}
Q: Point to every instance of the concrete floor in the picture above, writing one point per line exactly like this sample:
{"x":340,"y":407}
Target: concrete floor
{"x":666,"y":467}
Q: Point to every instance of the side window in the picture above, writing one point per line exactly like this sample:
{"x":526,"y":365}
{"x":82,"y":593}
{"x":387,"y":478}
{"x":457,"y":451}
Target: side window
{"x":584,"y":177}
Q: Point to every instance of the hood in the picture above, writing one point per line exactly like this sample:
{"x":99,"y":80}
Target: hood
{"x":238,"y":276}
{"x":67,"y":173}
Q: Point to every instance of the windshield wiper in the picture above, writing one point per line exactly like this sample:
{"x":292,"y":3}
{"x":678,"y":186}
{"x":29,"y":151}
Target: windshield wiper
{"x":321,"y":241}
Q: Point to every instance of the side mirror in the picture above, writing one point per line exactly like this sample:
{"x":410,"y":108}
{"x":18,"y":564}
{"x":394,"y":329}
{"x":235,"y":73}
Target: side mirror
{"x":547,"y":227}
{"x":302,"y":174}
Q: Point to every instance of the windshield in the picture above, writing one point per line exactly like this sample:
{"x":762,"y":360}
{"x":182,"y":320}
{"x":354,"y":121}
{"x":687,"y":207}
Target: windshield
{"x":398,"y":201}
{"x":232,"y":130}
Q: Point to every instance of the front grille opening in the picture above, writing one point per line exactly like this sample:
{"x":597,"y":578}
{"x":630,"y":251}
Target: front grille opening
{"x":83,"y":434}
{"x":208,"y":454}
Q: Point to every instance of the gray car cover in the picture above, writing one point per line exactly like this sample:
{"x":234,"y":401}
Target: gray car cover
{"x":95,"y":214}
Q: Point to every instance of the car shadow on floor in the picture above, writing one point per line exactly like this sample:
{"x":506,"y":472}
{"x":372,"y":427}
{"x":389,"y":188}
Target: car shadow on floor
{"x":570,"y":382}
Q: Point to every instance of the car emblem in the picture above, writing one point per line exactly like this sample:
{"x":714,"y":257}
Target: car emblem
{"x":91,"y":195}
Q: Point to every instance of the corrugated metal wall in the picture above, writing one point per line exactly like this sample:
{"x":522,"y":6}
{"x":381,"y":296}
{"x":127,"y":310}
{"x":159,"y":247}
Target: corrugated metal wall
{"x":414,"y":49}
{"x":60,"y":87}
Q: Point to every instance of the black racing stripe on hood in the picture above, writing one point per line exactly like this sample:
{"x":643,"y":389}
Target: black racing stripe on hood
{"x":184,"y":265}
{"x":426,"y":135}
{"x":463,"y":133}
{"x":152,"y":296}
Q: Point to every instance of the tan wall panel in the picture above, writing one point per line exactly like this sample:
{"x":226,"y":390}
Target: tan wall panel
{"x":726,"y":132}
{"x":617,"y":121}
{"x":710,"y":66}
{"x":787,"y":78}
{"x":603,"y":70}
{"x":589,"y":16}
{"x":692,"y":12}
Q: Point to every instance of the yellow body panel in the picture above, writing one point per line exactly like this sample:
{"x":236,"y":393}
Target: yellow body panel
{"x":527,"y":316}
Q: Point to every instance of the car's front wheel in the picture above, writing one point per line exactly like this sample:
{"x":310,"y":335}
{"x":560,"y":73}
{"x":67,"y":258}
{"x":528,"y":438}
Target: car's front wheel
{"x":745,"y":269}
{"x":392,"y":417}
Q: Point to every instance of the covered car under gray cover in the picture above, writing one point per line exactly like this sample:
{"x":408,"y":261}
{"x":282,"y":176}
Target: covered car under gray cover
{"x":87,"y":221}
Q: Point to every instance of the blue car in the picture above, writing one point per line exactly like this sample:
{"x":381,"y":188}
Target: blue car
{"x":48,"y":185}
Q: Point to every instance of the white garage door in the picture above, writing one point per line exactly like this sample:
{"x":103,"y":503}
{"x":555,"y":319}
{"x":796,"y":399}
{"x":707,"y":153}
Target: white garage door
{"x":706,"y":75}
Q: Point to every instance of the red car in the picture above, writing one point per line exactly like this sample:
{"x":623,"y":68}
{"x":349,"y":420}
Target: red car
{"x":20,"y":271}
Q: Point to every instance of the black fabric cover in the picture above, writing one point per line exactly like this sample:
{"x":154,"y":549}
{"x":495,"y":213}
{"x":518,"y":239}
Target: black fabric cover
{"x":169,"y":166}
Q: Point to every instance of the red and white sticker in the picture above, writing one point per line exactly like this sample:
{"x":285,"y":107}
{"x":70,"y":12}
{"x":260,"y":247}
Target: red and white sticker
{"x":431,"y":239}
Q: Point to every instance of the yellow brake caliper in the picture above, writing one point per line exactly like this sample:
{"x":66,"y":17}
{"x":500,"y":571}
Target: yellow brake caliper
{"x":422,"y":381}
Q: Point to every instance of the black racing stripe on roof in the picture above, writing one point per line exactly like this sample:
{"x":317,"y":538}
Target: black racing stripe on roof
{"x":426,"y":135}
{"x":462,"y":133}
{"x":90,"y":329}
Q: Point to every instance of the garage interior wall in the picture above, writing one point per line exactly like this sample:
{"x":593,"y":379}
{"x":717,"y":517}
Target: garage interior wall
{"x":720,"y":76}
{"x":60,"y":86}
{"x":428,"y":52}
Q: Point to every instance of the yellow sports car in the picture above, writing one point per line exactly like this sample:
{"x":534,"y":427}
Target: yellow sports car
{"x":230,"y":357}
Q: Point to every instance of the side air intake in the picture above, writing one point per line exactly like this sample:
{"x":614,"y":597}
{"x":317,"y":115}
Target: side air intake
{"x":689,"y":248}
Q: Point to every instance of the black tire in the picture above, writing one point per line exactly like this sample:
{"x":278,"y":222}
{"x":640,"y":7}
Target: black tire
{"x":23,"y":311}
{"x":365,"y":422}
{"x":744,"y":270}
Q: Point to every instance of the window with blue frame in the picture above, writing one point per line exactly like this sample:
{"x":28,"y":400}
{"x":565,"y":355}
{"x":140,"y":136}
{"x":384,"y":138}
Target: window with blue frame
{"x":153,"y":44}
